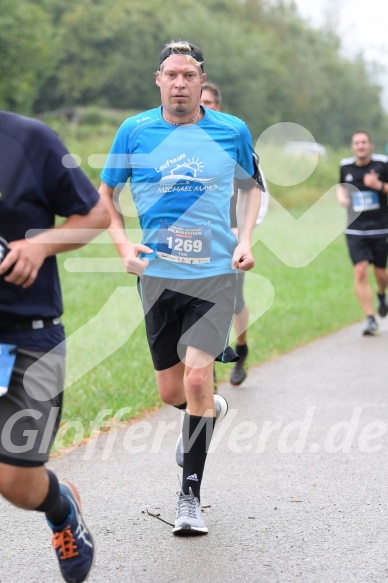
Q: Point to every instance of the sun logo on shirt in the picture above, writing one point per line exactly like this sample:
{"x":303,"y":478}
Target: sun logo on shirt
{"x":195,"y":166}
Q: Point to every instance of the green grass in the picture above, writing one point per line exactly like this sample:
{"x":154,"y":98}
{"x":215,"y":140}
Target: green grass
{"x":109,"y":365}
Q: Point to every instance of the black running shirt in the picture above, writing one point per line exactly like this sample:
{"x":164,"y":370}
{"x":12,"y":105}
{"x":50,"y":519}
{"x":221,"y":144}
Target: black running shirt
{"x":368,"y":210}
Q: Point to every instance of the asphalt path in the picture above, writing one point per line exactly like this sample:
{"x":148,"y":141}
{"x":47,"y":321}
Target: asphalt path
{"x":295,"y":489}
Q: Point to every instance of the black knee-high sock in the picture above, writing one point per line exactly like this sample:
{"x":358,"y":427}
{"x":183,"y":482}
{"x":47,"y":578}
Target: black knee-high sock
{"x":196,"y":433}
{"x":55,"y":506}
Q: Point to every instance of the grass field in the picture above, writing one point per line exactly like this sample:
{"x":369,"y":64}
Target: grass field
{"x":298,"y":291}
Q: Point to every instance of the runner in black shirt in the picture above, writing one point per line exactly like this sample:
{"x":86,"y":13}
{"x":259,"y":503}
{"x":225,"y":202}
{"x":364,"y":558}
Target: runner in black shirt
{"x":363,"y":190}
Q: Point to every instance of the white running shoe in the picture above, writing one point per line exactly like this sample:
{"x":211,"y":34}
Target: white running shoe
{"x":372,"y":328}
{"x":188,"y":520}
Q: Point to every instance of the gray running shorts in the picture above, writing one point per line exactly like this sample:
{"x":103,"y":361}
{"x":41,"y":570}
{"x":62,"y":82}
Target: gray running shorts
{"x":30,"y":411}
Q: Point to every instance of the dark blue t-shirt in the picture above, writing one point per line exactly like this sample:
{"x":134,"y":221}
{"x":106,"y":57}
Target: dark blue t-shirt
{"x":35,"y":186}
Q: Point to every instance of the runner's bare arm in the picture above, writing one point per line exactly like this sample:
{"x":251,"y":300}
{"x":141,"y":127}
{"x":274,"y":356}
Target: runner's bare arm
{"x":248,"y":206}
{"x":128,"y":251}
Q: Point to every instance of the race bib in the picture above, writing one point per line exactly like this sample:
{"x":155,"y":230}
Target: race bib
{"x":184,"y":244}
{"x":7,"y":362}
{"x":365,"y":200}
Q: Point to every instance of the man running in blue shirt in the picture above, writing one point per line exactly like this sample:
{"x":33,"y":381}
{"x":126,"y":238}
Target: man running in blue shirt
{"x":181,"y":162}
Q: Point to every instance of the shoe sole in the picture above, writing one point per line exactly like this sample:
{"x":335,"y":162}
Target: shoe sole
{"x":368,"y":333}
{"x":77,"y":501}
{"x":181,"y":531}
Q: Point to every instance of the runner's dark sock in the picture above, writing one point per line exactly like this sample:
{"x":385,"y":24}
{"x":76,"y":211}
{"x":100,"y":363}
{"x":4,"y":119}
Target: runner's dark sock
{"x":242,"y":350}
{"x":381,"y":297}
{"x":182,"y":407}
{"x":55,"y":506}
{"x":196,"y":433}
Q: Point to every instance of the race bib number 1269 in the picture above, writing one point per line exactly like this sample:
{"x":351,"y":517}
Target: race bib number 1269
{"x":184,"y":244}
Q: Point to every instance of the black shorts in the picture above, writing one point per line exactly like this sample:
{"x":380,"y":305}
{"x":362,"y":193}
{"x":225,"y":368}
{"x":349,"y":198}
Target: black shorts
{"x":371,"y":249}
{"x":180,"y":313}
{"x":240,"y":302}
{"x":30,"y":411}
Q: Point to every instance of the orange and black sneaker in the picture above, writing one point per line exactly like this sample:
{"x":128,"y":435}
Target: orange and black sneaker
{"x":72,"y":540}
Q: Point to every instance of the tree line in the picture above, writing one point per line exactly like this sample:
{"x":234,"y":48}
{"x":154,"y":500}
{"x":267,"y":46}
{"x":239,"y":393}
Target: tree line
{"x":270,"y":64}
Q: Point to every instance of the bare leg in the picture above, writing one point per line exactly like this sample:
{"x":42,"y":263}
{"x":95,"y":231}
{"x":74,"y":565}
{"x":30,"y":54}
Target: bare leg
{"x":190,"y":382}
{"x":23,"y":487}
{"x":240,"y":324}
{"x":363,"y":288}
{"x":381,"y":276}
{"x":170,"y":384}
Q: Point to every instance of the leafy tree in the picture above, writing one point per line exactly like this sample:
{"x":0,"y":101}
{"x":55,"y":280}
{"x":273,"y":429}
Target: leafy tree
{"x":25,"y":53}
{"x":270,"y":64}
{"x":111,"y":58}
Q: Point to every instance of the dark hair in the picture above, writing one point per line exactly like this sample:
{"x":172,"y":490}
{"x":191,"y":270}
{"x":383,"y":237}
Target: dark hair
{"x":215,"y":90}
{"x":361,"y":132}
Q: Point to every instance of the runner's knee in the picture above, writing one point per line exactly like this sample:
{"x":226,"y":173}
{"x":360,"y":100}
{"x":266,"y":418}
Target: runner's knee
{"x":16,"y":491}
{"x":195,"y":380}
{"x":361,"y":272}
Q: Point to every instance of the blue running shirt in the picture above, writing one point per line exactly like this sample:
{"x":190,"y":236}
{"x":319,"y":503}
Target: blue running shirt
{"x":181,"y":180}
